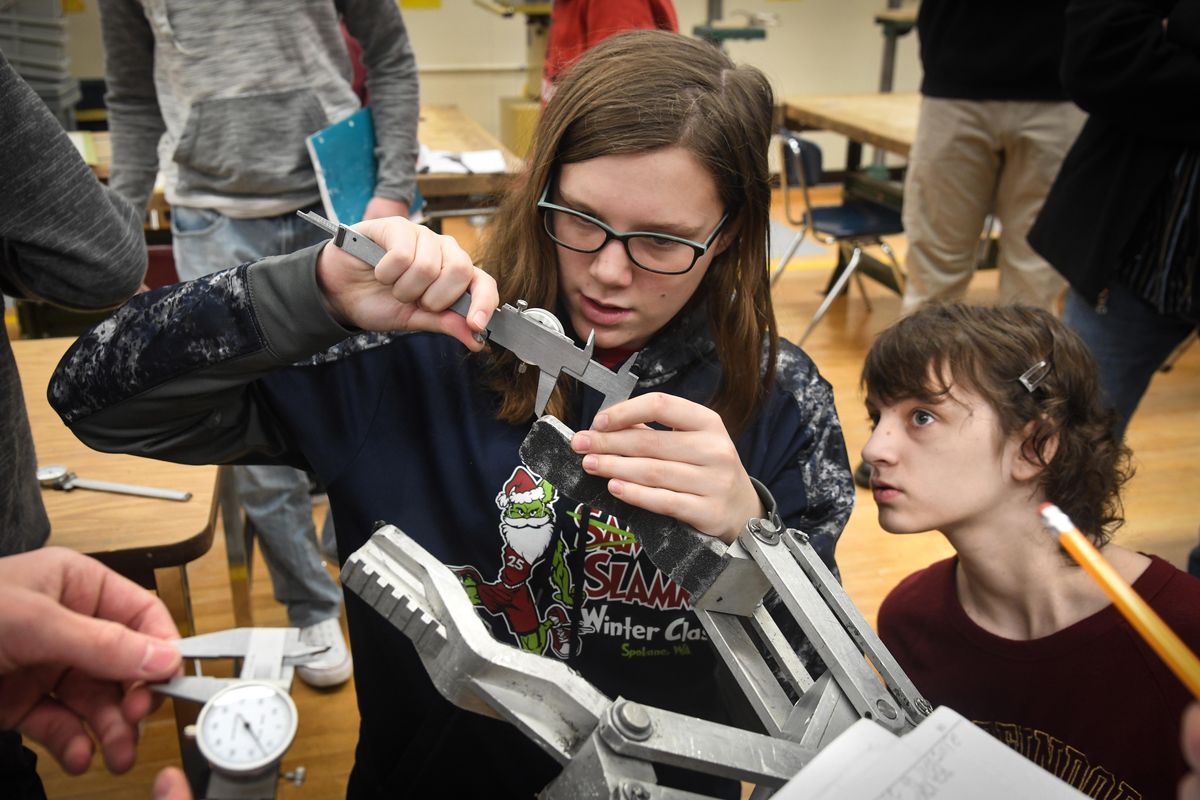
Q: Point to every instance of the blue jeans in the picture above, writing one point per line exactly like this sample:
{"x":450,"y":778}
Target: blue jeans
{"x":1130,"y":341}
{"x":275,"y":498}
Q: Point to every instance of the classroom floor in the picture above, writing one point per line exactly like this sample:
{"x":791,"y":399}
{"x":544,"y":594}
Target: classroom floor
{"x":1160,"y":506}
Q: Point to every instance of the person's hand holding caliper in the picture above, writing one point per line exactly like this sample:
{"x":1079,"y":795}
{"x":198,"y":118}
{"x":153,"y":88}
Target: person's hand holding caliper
{"x":423,"y":281}
{"x":419,"y":276}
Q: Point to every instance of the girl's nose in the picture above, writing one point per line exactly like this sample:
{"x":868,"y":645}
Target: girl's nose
{"x":612,"y":266}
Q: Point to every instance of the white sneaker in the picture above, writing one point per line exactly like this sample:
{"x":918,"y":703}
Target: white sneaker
{"x":334,"y":666}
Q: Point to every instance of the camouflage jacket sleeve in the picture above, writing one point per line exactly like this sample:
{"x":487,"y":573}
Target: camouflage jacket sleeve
{"x":821,"y":504}
{"x":173,"y":374}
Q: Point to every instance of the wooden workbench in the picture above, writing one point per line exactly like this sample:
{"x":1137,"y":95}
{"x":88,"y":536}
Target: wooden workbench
{"x":885,"y":120}
{"x":439,"y":128}
{"x":448,"y":128}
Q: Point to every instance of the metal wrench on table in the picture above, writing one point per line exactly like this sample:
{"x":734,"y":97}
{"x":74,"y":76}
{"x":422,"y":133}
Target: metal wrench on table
{"x":533,"y":335}
{"x":57,"y":476}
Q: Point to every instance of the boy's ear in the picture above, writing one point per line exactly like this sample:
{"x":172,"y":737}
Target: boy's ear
{"x":1029,"y":463}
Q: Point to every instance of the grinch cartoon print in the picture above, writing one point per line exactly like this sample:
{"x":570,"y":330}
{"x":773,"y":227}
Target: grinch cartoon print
{"x":530,"y":535}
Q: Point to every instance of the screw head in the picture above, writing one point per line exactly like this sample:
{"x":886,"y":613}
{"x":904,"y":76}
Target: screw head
{"x":763,"y":530}
{"x":885,"y":708}
{"x":296,"y":775}
{"x":632,"y":790}
{"x":632,"y":720}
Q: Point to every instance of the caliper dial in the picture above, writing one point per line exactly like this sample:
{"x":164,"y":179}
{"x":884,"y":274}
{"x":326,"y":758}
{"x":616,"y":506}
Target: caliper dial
{"x":246,"y":728}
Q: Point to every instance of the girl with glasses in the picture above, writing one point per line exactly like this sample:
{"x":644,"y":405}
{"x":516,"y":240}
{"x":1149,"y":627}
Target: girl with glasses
{"x":641,"y":219}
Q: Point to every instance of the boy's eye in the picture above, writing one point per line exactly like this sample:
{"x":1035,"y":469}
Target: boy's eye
{"x":921,"y":417}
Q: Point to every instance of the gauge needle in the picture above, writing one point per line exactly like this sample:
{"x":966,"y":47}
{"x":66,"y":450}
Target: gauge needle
{"x":250,"y":731}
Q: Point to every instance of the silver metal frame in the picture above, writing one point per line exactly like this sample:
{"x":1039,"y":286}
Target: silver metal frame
{"x":607,"y":747}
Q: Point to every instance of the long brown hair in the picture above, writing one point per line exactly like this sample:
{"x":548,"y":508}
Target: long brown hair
{"x":987,"y":350}
{"x":632,"y":93}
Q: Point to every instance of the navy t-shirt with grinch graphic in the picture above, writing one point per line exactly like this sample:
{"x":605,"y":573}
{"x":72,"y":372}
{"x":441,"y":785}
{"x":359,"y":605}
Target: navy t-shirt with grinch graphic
{"x":400,"y":432}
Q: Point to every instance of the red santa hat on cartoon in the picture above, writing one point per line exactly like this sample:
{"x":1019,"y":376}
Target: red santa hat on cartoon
{"x":522,"y":487}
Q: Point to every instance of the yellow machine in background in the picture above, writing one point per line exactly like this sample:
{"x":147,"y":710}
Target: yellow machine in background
{"x":518,"y":115}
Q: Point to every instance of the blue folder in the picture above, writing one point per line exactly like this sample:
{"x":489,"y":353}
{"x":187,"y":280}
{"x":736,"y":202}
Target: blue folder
{"x":343,"y":156}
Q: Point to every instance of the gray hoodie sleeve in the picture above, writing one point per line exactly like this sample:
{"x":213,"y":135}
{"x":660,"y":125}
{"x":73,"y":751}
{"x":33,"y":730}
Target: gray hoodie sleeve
{"x":64,"y":238}
{"x":134,"y":118}
{"x":172,"y":375}
{"x":393,"y":88}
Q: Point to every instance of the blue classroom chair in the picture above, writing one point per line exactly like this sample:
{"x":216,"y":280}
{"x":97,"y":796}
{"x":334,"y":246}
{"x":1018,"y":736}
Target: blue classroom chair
{"x":851,"y":225}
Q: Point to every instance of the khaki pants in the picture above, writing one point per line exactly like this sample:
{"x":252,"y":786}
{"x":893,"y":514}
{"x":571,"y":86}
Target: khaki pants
{"x":974,"y":158}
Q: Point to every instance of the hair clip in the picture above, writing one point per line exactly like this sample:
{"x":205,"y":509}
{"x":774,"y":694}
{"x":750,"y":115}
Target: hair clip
{"x":1032,"y":378}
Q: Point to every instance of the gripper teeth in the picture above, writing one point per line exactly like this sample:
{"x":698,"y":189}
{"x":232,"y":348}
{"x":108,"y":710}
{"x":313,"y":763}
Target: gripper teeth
{"x":394,"y":603}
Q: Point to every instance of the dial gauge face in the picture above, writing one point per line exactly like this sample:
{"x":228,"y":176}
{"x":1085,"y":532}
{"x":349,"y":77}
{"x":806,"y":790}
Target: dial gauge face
{"x":246,"y":728}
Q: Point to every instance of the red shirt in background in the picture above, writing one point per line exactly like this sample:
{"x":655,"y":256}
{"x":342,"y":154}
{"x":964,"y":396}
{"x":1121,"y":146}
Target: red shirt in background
{"x":359,"y":72}
{"x":578,"y":25}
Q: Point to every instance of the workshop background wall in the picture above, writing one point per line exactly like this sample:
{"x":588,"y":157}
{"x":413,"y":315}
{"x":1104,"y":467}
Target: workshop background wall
{"x":471,"y":57}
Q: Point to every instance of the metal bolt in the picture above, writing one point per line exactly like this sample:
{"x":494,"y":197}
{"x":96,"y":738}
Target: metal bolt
{"x":632,"y":721}
{"x":801,"y":537}
{"x":886,"y":708}
{"x":632,"y":790}
{"x":296,"y":775}
{"x":763,"y":530}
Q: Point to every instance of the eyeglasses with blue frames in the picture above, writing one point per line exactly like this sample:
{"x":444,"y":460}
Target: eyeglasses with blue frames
{"x":662,"y":253}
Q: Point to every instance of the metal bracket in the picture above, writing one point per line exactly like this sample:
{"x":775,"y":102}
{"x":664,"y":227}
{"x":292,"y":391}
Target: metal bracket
{"x":608,"y":749}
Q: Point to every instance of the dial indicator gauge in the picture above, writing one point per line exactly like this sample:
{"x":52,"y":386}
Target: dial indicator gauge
{"x":246,"y":728}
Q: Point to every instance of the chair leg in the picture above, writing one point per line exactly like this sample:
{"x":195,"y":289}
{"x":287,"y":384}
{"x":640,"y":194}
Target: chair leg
{"x":792,"y":247}
{"x":239,"y":547}
{"x":862,"y":288}
{"x":831,"y":295}
{"x":985,"y":240}
{"x":897,"y":271}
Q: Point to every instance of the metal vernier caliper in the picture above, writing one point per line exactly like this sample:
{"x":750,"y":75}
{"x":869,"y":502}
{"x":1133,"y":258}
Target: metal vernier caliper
{"x":246,"y":724}
{"x":533,"y":335}
{"x":607,"y":747}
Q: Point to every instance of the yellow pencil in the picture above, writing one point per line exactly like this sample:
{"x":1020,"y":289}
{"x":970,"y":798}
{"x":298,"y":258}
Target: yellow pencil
{"x":1142,"y":617}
